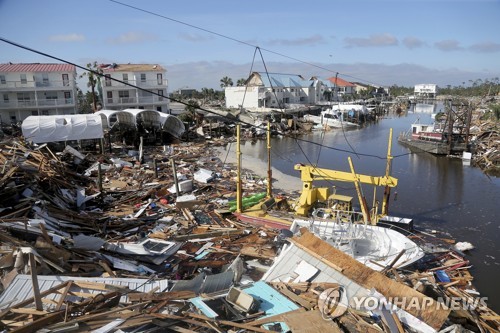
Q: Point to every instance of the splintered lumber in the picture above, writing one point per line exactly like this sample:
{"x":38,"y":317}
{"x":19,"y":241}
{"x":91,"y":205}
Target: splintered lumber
{"x":354,"y":323}
{"x":430,"y":311}
{"x":165,"y":296}
{"x":227,"y":323}
{"x":310,"y":321}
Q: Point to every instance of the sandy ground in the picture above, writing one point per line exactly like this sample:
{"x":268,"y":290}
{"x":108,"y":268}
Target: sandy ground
{"x":281,"y":181}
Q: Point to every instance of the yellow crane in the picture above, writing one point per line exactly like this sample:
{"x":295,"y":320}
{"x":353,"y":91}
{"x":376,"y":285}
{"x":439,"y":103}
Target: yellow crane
{"x":310,"y":195}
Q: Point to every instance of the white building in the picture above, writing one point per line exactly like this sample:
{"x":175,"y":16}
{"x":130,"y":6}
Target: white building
{"x":36,"y":89}
{"x":150,"y":80}
{"x":426,"y":90}
{"x":278,"y":91}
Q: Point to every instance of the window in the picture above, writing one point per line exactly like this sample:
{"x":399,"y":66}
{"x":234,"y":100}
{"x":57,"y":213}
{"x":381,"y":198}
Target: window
{"x":6,"y":98}
{"x":125,"y":77}
{"x":45,"y":79}
{"x":143,"y":77}
{"x":160,"y":93}
{"x":45,"y":112}
{"x":124,"y":96}
{"x":158,"y":108}
{"x":23,"y":97}
{"x":109,"y":96}
{"x":2,"y":79}
{"x":34,"y":113}
{"x":107,"y":80}
{"x":159,"y":79}
{"x":23,"y":79}
{"x":65,"y":79}
{"x":51,"y":95}
{"x":67,"y":97}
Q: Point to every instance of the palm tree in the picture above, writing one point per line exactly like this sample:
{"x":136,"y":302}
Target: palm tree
{"x":93,"y":80}
{"x":241,"y":83}
{"x":226,"y":82}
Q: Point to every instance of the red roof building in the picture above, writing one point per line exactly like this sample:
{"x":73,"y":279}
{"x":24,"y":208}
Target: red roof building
{"x":36,"y":89}
{"x":36,"y":67}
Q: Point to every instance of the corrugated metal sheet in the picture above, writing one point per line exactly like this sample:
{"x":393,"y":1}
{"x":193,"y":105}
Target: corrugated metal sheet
{"x":285,"y":265}
{"x":37,"y":67}
{"x":283,"y":80}
{"x":217,"y":282}
{"x":21,"y":288}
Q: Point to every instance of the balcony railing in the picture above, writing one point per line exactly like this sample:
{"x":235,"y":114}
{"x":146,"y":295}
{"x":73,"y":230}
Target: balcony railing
{"x":33,"y":85}
{"x":138,"y":83}
{"x":44,"y":103}
{"x":140,"y":100}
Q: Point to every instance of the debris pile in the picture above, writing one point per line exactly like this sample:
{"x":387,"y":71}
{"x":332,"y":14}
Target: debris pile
{"x":487,"y":143}
{"x":146,"y":241}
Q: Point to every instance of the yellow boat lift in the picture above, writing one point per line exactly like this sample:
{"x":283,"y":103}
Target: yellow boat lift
{"x":310,"y":195}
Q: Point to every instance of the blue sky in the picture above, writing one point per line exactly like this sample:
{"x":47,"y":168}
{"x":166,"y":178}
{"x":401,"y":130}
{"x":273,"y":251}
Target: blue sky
{"x":381,"y":42}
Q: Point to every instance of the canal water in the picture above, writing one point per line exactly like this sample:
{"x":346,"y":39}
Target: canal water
{"x":439,"y":193}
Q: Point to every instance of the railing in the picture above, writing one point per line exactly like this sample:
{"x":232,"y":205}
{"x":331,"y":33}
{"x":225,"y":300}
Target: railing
{"x":137,"y":82}
{"x":37,"y":84}
{"x":36,"y":103}
{"x":121,"y":100}
{"x":140,"y":100}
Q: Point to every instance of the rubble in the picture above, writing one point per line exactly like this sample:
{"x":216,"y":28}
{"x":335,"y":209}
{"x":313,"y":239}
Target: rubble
{"x":117,"y":243}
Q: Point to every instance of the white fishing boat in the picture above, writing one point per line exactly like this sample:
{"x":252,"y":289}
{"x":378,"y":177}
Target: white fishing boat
{"x":374,"y":246}
{"x":332,"y":117}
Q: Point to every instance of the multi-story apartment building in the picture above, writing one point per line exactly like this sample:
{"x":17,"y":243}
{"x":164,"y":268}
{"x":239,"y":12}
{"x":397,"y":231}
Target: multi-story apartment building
{"x":271,"y":91}
{"x":36,"y":89}
{"x":139,"y":86}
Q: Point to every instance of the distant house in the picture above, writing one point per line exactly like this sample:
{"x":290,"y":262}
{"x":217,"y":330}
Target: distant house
{"x":36,"y":89}
{"x":150,"y":78}
{"x":341,"y":86}
{"x":187,"y":92}
{"x":271,"y":90}
{"x":360,"y":88}
{"x":426,"y":90}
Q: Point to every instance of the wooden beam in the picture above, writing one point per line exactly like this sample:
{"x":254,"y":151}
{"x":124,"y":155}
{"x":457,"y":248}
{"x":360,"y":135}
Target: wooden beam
{"x":34,"y":282}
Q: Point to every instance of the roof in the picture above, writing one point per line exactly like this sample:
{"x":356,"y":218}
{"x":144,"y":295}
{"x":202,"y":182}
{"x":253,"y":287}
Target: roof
{"x":37,"y":67}
{"x":340,"y":82}
{"x":281,"y":80}
{"x":21,"y":288}
{"x":131,"y":68}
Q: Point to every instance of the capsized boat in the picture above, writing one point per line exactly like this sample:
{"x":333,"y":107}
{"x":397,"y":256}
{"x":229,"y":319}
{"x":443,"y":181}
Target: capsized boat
{"x":330,"y":117}
{"x":374,"y":246}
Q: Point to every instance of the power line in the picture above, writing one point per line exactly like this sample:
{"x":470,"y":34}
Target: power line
{"x":194,"y":106}
{"x":237,"y":40}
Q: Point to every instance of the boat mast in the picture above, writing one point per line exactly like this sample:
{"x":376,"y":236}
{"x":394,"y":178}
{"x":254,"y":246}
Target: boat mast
{"x":269,"y":171}
{"x":238,"y":168}
{"x":387,"y":190}
{"x":361,"y":197}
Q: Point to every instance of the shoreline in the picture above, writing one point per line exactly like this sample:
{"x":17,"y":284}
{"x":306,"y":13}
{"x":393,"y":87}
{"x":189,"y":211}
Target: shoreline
{"x":281,"y":181}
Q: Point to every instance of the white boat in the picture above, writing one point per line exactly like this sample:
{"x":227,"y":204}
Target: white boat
{"x":332,"y":118}
{"x":373,"y":246}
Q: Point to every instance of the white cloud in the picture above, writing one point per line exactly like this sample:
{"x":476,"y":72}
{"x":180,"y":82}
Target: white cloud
{"x":195,"y":37}
{"x":486,"y":47}
{"x":372,"y":41}
{"x":413,"y":42}
{"x":132,"y":37}
{"x":67,"y":38}
{"x":448,"y":45}
{"x":206,"y":74}
{"x":312,"y":40}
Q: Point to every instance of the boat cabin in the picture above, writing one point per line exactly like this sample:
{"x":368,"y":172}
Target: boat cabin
{"x":425,"y":132}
